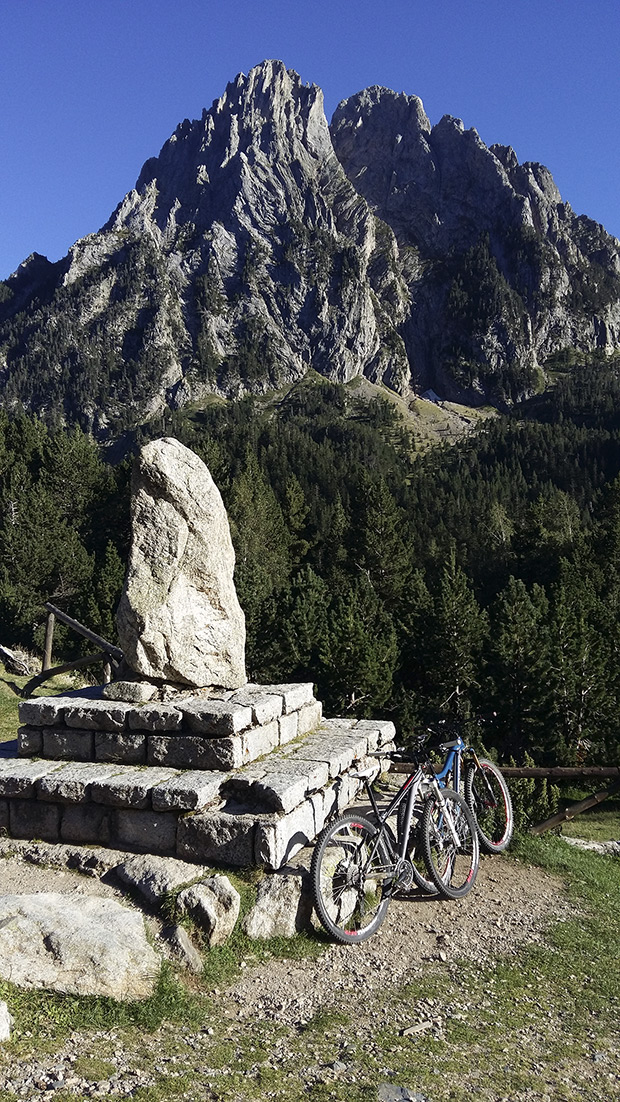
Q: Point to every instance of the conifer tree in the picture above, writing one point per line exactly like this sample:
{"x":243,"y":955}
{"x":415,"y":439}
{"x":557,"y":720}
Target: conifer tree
{"x":578,"y":666}
{"x":382,"y":551}
{"x":456,"y":636}
{"x":359,"y":654}
{"x":518,"y":670}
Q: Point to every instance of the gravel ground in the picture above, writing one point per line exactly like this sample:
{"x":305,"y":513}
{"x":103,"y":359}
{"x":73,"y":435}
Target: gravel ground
{"x":511,"y":904}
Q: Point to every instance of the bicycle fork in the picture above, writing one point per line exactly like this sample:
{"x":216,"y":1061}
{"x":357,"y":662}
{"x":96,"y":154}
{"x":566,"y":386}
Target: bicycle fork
{"x":447,"y":813}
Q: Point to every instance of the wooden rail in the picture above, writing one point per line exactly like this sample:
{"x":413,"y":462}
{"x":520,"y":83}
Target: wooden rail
{"x":551,"y":772}
{"x":108,"y":654}
{"x":573,"y":810}
{"x":561,"y":772}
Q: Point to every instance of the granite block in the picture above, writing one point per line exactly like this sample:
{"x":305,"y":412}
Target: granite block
{"x":259,"y":741}
{"x":287,"y":728}
{"x":84,"y":823}
{"x":217,"y":837}
{"x":130,"y":786}
{"x":71,"y":783}
{"x":285,"y":835}
{"x":215,"y":717}
{"x":149,"y":831}
{"x":309,"y":717}
{"x":29,"y":742}
{"x":187,"y":791}
{"x":97,"y":715}
{"x":19,"y":775}
{"x":155,"y":717}
{"x":43,"y":711}
{"x":294,"y":696}
{"x":63,"y":744}
{"x":126,"y":747}
{"x":266,"y":706}
{"x":279,"y":791}
{"x":34,"y":819}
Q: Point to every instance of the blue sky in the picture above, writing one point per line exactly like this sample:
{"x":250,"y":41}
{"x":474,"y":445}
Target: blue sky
{"x":89,"y":89}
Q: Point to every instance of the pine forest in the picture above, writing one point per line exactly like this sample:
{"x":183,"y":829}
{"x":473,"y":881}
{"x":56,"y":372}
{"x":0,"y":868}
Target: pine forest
{"x":472,"y":579}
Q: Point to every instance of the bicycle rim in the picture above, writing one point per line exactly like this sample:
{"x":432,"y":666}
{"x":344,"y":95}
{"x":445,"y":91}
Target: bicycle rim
{"x":351,"y":879}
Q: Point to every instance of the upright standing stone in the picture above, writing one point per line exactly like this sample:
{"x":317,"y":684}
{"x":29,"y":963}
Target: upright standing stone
{"x":179,"y":618}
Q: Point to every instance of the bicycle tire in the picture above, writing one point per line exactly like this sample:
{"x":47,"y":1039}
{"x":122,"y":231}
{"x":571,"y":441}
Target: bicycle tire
{"x":351,"y":875}
{"x":414,"y":849}
{"x":488,"y":797}
{"x":453,"y":869}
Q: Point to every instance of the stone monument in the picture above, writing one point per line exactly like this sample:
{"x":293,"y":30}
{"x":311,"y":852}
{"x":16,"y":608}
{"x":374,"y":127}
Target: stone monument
{"x":184,"y":759}
{"x":179,"y":619}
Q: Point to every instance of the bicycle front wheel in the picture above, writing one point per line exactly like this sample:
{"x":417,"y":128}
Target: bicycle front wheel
{"x":414,"y":848}
{"x":450,"y":844}
{"x":352,"y":876}
{"x":488,"y":797}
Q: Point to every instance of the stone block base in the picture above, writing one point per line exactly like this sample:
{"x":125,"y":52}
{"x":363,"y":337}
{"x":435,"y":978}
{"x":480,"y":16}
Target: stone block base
{"x":246,"y":780}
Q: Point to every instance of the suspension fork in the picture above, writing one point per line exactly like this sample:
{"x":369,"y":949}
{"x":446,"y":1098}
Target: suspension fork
{"x":482,"y":773}
{"x":446,"y":812}
{"x":411,"y":796}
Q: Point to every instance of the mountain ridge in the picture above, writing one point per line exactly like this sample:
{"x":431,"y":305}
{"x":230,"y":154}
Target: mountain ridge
{"x":262,"y":242}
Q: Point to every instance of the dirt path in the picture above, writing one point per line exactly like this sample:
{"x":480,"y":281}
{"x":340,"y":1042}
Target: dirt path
{"x":511,"y":904}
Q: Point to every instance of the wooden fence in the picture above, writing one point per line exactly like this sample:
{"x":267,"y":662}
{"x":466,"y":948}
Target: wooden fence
{"x":107,"y":653}
{"x":557,"y":773}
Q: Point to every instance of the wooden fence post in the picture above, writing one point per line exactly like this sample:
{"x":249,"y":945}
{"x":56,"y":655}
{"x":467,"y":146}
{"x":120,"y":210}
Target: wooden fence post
{"x":49,"y":639}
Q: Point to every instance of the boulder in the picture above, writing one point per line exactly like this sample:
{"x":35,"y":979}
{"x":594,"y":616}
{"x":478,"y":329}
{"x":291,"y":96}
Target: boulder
{"x":214,"y":904}
{"x":179,"y":619}
{"x":184,"y":949}
{"x":154,"y":877}
{"x":81,"y":946}
{"x":282,"y":908}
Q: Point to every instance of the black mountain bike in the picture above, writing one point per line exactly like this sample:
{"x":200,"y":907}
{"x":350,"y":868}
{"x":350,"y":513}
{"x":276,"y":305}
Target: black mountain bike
{"x":359,"y":862}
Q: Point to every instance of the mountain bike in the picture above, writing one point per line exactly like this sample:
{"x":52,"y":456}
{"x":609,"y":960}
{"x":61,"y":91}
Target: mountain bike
{"x":484,"y":788}
{"x":359,"y":863}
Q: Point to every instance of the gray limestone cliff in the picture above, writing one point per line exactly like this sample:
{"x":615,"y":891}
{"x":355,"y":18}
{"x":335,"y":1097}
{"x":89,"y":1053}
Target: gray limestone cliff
{"x":262,"y":243}
{"x":502,"y":274}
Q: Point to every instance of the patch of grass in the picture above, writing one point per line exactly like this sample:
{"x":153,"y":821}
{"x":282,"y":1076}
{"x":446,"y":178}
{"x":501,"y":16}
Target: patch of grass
{"x":94,"y":1068}
{"x":325,"y":1020}
{"x":597,"y":824}
{"x":49,"y":1016}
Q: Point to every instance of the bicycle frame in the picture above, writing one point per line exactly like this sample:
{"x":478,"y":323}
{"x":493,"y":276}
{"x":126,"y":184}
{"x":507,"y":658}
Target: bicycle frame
{"x":452,"y":764}
{"x":410,"y":789}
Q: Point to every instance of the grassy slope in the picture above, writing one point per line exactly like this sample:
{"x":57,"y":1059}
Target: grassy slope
{"x":9,"y":699}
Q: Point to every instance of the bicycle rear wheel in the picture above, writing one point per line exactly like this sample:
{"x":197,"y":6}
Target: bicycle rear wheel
{"x":351,"y":875}
{"x":488,"y":797}
{"x":452,"y":864}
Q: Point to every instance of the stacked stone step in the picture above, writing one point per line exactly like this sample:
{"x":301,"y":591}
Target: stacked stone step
{"x":198,"y":731}
{"x":246,"y":778}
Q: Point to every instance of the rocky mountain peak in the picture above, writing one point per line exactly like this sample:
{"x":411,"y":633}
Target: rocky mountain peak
{"x":264,"y":119}
{"x":261,"y":243}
